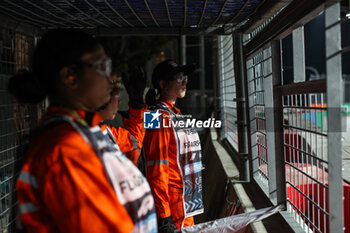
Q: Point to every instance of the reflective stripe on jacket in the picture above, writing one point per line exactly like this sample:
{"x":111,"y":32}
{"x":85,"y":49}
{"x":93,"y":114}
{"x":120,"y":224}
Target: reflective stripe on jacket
{"x":163,"y":171}
{"x":130,"y":137}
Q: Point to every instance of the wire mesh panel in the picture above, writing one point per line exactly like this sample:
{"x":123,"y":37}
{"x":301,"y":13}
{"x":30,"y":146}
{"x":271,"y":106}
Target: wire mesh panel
{"x":315,"y":189}
{"x":256,"y":71}
{"x":228,"y":90}
{"x":306,"y":159}
{"x":129,"y":14}
{"x":249,"y":36}
{"x":15,"y":122}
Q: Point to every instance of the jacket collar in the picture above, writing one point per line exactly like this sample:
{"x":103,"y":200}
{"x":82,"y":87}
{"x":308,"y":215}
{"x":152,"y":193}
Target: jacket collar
{"x":91,"y":118}
{"x":171,"y":105}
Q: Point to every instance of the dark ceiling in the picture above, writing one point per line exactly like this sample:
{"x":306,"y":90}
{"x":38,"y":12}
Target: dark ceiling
{"x":131,"y":15}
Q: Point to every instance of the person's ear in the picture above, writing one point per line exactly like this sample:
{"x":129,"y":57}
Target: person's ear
{"x":163,"y":84}
{"x":68,"y":77}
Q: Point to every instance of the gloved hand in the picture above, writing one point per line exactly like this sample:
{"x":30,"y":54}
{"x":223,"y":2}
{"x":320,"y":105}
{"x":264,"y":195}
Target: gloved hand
{"x":166,"y":225}
{"x":135,"y":84}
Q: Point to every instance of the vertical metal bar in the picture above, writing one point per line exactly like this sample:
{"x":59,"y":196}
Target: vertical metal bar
{"x":202,"y":72}
{"x":183,"y":49}
{"x":274,"y":128}
{"x":289,"y":141}
{"x":334,"y":87}
{"x":243,"y":128}
{"x":297,"y":152}
{"x":312,"y":160}
{"x":303,"y":154}
{"x":296,"y":163}
{"x":292,"y":143}
{"x":202,"y":62}
{"x":309,"y":173}
{"x":318,"y":170}
{"x":221,"y":85}
{"x":323,"y":125}
{"x":216,"y":77}
{"x":299,"y":54}
{"x":308,"y":124}
{"x":323,"y":173}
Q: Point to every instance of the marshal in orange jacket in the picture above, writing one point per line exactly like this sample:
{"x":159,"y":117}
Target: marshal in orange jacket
{"x":130,"y":137}
{"x":63,"y":186}
{"x":163,"y":173}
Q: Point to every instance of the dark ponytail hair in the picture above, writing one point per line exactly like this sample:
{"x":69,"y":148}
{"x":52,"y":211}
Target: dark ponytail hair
{"x":151,"y":97}
{"x":24,"y":86}
{"x":56,"y":49}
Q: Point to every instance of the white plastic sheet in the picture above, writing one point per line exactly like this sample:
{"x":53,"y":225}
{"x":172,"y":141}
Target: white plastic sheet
{"x":232,"y":224}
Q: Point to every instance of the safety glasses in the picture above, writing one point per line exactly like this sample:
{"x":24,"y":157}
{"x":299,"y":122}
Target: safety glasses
{"x":102,"y":66}
{"x":180,"y":78}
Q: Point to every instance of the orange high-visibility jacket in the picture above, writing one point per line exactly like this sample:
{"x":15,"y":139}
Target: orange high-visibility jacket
{"x":163,"y":173}
{"x":130,"y":137}
{"x":63,"y":186}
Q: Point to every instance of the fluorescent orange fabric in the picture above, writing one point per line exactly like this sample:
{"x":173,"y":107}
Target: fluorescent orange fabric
{"x":132,"y":126}
{"x":135,"y":124}
{"x":125,"y":141}
{"x":122,"y":136}
{"x":67,"y":185}
{"x":134,"y":156}
{"x":163,"y":173}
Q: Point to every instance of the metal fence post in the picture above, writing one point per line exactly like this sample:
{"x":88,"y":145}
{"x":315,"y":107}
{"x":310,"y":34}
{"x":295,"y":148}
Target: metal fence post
{"x":334,"y":99}
{"x":274,"y":126}
{"x":299,"y":55}
{"x":241,"y":99}
{"x":182,"y":49}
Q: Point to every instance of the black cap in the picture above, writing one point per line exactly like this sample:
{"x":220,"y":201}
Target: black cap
{"x":166,"y":69}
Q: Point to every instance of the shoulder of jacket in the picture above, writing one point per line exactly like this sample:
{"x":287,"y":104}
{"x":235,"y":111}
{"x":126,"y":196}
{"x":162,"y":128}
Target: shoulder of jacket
{"x":57,"y":137}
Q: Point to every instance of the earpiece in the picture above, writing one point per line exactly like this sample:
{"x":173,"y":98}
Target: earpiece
{"x":71,"y":78}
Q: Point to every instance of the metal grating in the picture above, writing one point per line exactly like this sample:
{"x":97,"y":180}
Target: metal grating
{"x":249,"y":36}
{"x":306,"y":159}
{"x":316,"y":194}
{"x":256,"y":71}
{"x":129,"y":13}
{"x":15,"y":122}
{"x":228,"y":90}
{"x":14,"y":51}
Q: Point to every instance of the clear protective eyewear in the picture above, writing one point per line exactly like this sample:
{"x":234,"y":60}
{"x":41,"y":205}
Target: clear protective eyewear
{"x":102,"y":66}
{"x":180,"y":78}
